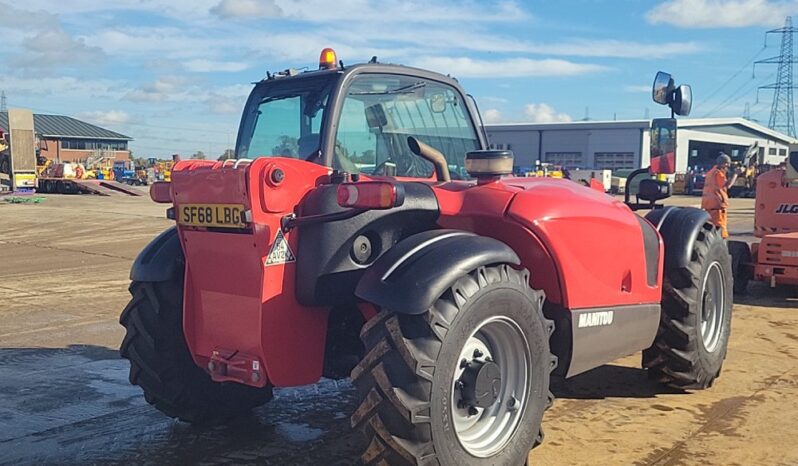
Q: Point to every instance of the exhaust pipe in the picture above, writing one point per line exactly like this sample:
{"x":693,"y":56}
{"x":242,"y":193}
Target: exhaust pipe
{"x":432,"y":155}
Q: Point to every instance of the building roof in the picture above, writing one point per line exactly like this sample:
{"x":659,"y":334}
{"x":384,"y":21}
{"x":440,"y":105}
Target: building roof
{"x":696,"y":123}
{"x":60,"y":126}
{"x":570,"y":125}
{"x":736,"y":121}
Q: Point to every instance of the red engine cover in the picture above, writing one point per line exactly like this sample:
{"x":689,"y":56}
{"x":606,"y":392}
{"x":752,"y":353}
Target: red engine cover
{"x":584,"y":248}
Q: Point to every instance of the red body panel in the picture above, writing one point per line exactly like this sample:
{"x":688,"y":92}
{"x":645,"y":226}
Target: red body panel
{"x":233,"y":301}
{"x":583,"y":249}
{"x":595,"y":241}
{"x":483,"y":210}
{"x":581,"y":257}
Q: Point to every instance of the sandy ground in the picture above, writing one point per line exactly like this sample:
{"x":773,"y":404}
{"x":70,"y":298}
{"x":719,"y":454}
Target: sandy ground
{"x":64,"y":396}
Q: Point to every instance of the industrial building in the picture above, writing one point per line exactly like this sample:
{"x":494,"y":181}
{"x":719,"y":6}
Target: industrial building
{"x":66,"y":139}
{"x":624,"y":145}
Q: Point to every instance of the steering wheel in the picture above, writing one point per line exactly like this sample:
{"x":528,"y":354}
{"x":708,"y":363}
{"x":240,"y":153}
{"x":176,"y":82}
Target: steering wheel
{"x":413,"y":166}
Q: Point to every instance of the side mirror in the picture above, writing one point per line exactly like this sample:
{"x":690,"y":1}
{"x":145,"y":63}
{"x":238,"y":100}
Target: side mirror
{"x":663,"y":87}
{"x":665,"y":92}
{"x":683,"y":100}
{"x":375,"y":116}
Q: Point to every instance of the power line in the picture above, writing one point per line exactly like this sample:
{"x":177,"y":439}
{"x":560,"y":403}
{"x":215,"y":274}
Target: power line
{"x":737,"y":73}
{"x":745,"y":88}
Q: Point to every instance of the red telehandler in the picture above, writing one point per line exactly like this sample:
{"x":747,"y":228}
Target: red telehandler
{"x":364,"y":231}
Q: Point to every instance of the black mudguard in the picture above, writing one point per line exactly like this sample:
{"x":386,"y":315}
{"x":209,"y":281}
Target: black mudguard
{"x":158,"y":261}
{"x":679,"y":227}
{"x":413,"y":274}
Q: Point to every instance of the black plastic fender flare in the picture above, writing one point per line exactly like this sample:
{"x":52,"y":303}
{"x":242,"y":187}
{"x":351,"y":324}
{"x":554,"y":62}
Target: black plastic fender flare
{"x":410,"y":276}
{"x":159,"y":259}
{"x":679,"y":227}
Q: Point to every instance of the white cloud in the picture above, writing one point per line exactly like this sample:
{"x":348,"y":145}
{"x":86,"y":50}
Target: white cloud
{"x":447,"y":37}
{"x":544,"y":113}
{"x":202,"y":65}
{"x":721,"y":13}
{"x":112,"y":117}
{"x":228,"y":100}
{"x":506,"y":68}
{"x":492,"y":115}
{"x":16,"y":18}
{"x":616,"y":49}
{"x":63,"y":86}
{"x":36,"y":40}
{"x":169,"y":43}
{"x":490,"y":100}
{"x":225,"y":106}
{"x":638,"y":88}
{"x":55,"y":47}
{"x":398,"y":14}
{"x":169,"y":88}
{"x":247,"y":9}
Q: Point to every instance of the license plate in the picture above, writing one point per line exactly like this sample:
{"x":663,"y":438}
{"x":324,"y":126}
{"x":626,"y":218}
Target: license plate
{"x":212,"y":215}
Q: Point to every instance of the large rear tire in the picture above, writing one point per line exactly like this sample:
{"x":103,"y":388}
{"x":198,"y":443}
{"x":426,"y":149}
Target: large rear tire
{"x":464,"y":383}
{"x":160,"y":362}
{"x":690,"y":346}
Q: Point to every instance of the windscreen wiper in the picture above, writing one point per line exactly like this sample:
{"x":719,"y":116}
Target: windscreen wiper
{"x":399,"y":90}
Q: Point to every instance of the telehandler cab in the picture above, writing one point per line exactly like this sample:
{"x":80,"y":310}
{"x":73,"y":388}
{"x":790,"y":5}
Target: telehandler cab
{"x":365,"y":231}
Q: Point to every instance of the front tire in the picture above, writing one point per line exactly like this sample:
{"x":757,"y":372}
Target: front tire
{"x":161,"y":364}
{"x":691,"y":343}
{"x":464,"y":383}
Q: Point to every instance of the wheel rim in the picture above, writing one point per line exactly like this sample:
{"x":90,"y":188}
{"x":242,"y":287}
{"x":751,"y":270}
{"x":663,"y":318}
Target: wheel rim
{"x":713,"y":307}
{"x":498,"y":343}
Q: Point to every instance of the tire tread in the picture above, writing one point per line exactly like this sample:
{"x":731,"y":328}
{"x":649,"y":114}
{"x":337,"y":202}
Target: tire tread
{"x":673,"y":358}
{"x":395,"y":377}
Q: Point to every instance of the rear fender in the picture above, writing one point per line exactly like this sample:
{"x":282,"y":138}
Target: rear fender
{"x":413,"y":274}
{"x":159,"y":260}
{"x":679,"y":228}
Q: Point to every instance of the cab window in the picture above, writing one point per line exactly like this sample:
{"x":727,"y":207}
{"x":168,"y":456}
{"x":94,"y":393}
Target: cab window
{"x":284,"y":118}
{"x":380,"y":112}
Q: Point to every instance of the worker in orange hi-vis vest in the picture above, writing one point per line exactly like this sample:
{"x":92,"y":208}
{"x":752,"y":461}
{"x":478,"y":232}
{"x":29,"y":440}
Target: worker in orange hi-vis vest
{"x":715,"y":197}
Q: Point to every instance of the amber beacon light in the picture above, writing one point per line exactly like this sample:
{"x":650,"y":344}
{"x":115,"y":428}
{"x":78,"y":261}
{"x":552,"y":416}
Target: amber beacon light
{"x":327,"y":60}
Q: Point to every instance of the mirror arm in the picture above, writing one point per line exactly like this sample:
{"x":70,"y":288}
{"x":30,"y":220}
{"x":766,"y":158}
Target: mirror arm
{"x":629,"y":178}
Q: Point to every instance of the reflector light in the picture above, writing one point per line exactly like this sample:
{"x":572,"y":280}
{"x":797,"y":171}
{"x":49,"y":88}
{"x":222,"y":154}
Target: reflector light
{"x":370,"y":195}
{"x":328,"y":60}
{"x":161,"y":192}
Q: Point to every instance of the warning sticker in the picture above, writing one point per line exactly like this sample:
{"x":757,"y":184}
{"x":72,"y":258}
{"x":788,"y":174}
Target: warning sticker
{"x":280,"y":252}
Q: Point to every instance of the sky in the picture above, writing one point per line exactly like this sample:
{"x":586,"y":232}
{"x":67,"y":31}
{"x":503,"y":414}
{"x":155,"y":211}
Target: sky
{"x":174,"y":75}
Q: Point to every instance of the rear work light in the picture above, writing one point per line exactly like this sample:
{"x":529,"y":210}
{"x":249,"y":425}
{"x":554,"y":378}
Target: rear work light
{"x":371,"y":195}
{"x":328,"y":60}
{"x":161,"y":192}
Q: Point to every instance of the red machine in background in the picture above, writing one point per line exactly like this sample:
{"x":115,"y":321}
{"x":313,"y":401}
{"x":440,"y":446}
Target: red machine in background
{"x":775,"y":258}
